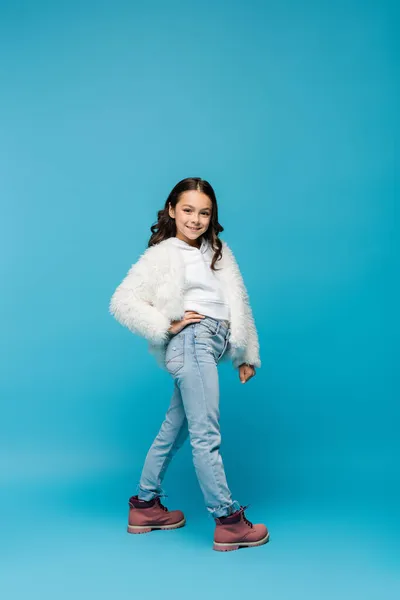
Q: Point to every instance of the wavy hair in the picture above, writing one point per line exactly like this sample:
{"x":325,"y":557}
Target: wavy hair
{"x":166,"y":226}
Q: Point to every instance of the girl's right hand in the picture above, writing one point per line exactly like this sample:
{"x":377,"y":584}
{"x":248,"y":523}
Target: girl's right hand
{"x":191,"y":316}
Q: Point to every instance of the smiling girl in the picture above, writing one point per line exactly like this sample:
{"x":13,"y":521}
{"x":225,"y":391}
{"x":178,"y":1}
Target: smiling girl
{"x":187,"y":297}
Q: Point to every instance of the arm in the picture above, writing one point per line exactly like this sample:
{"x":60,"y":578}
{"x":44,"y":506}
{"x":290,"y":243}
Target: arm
{"x":250,"y":355}
{"x":131,"y":303}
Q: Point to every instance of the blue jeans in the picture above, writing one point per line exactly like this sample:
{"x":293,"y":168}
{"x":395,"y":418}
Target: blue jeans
{"x":191,"y":358}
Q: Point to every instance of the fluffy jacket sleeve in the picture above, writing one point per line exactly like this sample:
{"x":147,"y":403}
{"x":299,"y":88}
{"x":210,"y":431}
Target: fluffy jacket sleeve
{"x":251,"y":354}
{"x":131,"y":302}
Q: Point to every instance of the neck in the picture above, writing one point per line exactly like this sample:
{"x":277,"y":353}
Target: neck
{"x":194,"y":243}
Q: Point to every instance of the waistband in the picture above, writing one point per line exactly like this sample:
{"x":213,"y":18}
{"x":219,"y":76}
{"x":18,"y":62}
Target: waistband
{"x":223,"y":322}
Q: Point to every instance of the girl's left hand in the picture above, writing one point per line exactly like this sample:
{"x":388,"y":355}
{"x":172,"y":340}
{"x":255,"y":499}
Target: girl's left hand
{"x":246,"y":372}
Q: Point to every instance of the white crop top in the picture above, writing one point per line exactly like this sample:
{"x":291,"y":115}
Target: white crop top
{"x":203,"y":291}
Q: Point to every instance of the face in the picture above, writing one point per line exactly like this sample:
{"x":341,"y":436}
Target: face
{"x":192,"y":216}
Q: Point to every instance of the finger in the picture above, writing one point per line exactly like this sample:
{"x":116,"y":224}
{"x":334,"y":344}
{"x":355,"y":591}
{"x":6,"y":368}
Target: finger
{"x":187,"y":321}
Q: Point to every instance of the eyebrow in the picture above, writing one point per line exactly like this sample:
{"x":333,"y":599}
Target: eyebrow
{"x":190,"y":206}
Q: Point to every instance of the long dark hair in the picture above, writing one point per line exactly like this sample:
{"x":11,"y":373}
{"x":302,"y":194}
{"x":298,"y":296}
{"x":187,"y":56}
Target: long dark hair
{"x":166,"y":226}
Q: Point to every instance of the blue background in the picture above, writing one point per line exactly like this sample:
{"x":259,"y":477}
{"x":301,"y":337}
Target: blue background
{"x":289,"y":110}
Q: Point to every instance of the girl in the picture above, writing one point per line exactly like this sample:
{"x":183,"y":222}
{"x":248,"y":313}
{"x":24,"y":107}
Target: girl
{"x":186,"y":296}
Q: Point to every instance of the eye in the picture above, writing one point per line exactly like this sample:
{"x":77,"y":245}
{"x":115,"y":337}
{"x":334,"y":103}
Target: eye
{"x":189,"y":210}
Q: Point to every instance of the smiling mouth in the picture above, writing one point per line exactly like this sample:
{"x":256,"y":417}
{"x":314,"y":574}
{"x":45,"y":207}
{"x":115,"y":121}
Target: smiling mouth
{"x":193,"y":228}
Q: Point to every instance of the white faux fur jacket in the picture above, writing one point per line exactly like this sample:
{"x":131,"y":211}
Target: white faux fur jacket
{"x":151,"y":296}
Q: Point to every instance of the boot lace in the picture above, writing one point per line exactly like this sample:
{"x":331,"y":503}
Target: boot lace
{"x":161,"y":505}
{"x":242,"y":509}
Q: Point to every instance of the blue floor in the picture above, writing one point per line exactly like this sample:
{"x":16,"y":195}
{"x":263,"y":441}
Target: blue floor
{"x":79,"y":548}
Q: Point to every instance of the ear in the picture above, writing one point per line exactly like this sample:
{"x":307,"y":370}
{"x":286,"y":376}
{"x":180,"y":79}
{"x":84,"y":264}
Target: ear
{"x":171,"y":211}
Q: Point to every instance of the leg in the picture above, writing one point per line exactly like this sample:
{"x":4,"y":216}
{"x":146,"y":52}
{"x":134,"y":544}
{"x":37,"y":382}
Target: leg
{"x":172,"y":435}
{"x":199,"y":386}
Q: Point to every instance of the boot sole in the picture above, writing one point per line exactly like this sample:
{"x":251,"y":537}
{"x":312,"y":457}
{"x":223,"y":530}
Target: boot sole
{"x":229,"y":547}
{"x":147,"y":529}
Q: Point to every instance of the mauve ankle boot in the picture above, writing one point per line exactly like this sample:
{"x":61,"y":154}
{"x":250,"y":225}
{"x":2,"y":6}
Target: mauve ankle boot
{"x":235,"y":531}
{"x":147,"y":515}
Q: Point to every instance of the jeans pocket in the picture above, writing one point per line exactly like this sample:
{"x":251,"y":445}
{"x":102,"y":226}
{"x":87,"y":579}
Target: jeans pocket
{"x":226,"y":342}
{"x":175,"y":354}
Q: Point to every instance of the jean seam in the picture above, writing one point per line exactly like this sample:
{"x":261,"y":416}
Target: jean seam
{"x":224,"y":347}
{"x":173,"y":447}
{"x":206,"y":408}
